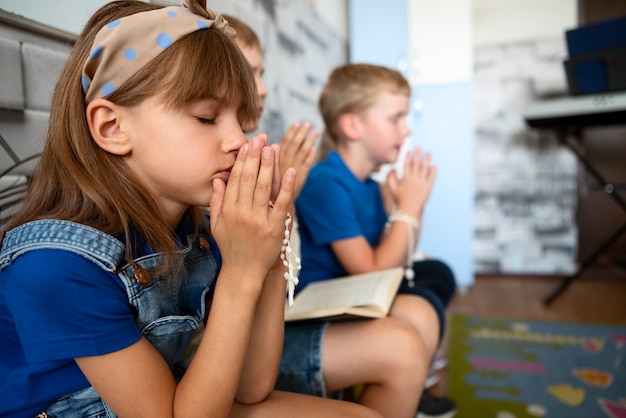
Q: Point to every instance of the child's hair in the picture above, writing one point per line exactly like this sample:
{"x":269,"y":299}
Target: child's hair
{"x":353,"y":88}
{"x":244,"y":33}
{"x":78,"y":181}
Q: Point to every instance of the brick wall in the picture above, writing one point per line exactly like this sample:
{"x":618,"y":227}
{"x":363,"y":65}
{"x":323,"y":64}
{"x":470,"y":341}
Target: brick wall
{"x":526,"y":184}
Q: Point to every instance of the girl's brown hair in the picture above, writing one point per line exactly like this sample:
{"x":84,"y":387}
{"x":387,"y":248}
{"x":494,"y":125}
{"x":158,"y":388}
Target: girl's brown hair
{"x":77,"y":181}
{"x":353,"y":88}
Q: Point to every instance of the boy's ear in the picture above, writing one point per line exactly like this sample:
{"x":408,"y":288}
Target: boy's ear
{"x":349,"y":125}
{"x":104,"y":120}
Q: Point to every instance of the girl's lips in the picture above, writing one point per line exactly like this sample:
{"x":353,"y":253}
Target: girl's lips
{"x":224,"y":175}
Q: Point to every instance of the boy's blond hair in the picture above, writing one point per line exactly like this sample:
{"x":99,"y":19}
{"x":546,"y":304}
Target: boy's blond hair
{"x":354,"y":88}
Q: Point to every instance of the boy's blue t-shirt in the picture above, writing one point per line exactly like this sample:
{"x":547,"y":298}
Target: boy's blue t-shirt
{"x":334,"y":205}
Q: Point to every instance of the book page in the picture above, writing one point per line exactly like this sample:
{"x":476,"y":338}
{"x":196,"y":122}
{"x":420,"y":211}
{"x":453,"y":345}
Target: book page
{"x":374,"y":290}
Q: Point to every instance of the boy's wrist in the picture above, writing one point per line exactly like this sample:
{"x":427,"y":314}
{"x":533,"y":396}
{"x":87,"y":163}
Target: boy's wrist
{"x":398,"y":215}
{"x":416,"y":214}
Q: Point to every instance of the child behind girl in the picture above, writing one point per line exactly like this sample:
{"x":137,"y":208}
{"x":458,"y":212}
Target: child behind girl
{"x":105,"y":268}
{"x":297,"y":147}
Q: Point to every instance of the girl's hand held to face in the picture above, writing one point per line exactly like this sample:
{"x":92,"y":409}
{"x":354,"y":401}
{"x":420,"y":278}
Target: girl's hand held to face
{"x":247,"y":227}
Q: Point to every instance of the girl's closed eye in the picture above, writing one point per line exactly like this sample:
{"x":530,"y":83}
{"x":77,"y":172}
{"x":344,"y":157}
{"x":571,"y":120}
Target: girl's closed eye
{"x":206,"y":121}
{"x":207,"y":112}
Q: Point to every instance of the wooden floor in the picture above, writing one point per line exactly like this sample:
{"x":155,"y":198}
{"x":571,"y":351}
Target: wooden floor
{"x":586,"y":300}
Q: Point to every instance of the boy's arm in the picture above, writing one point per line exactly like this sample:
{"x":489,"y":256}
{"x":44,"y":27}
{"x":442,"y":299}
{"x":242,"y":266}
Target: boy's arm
{"x":357,"y":256}
{"x":408,"y":196}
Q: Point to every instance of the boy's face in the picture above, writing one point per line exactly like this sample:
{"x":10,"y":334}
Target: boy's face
{"x":255,"y":59}
{"x":384,"y":127}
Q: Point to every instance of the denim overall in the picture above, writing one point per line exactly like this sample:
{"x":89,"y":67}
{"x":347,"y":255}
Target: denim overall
{"x":168,"y":312}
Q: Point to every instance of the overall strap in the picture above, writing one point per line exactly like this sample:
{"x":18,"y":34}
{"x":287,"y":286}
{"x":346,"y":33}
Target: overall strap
{"x":103,"y":249}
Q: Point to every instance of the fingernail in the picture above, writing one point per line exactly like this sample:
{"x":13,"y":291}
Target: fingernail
{"x":267,"y":152}
{"x":256,"y":143}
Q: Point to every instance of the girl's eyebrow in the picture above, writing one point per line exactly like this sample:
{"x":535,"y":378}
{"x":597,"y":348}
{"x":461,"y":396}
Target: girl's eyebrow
{"x":211,"y":101}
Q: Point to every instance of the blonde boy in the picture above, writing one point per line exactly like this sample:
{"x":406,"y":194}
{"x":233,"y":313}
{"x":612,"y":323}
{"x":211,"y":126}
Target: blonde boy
{"x":349,"y":226}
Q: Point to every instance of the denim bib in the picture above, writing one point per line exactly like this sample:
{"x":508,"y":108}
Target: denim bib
{"x":167,"y":312}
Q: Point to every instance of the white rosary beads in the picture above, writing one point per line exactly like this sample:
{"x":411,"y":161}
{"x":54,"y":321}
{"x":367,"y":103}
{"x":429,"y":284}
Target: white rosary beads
{"x":290,"y":260}
{"x":413,"y":225}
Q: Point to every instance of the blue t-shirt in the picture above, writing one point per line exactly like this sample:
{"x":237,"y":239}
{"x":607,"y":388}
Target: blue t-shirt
{"x":92,"y":316}
{"x":334,"y":205}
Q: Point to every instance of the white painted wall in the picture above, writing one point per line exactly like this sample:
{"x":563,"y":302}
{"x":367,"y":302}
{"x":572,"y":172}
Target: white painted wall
{"x":441,"y":74}
{"x":67,"y":15}
{"x":514,"y":21}
{"x":440,"y":38}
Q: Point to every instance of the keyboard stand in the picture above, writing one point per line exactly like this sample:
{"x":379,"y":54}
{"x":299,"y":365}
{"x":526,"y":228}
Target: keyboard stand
{"x":567,"y":117}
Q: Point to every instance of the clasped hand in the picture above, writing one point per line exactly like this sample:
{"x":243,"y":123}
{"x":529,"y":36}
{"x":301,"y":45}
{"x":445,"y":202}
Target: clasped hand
{"x":410,"y":193}
{"x":248,"y":214}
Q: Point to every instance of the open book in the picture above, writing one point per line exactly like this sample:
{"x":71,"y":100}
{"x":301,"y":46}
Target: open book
{"x":367,"y":295}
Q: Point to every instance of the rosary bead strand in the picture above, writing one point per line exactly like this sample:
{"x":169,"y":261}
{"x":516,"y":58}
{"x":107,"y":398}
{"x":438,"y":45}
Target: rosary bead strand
{"x":290,"y":260}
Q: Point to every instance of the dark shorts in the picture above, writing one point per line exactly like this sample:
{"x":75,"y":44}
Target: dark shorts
{"x":435,"y":282}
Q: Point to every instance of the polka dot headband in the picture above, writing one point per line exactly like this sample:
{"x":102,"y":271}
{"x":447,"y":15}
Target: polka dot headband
{"x":122,"y":47}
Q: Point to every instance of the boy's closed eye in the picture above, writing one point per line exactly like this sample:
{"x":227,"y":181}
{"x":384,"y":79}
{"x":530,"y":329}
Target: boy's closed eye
{"x":398,"y":117}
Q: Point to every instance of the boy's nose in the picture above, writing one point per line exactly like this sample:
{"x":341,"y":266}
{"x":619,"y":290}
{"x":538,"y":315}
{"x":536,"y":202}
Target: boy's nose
{"x":261,"y":88}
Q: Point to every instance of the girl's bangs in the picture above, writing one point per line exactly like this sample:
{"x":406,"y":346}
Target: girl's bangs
{"x":208,"y":64}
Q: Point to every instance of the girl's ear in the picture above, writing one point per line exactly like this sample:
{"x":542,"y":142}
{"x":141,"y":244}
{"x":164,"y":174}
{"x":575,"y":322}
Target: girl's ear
{"x":103,"y":118}
{"x":349,"y":125}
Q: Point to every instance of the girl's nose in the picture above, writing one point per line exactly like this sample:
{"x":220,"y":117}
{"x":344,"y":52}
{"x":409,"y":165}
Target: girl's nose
{"x":235,"y":136}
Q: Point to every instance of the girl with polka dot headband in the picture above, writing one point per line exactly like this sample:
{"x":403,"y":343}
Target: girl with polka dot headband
{"x":111,"y":263}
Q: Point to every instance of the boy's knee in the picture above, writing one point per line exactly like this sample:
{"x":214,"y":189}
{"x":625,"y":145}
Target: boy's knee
{"x":407,"y":348}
